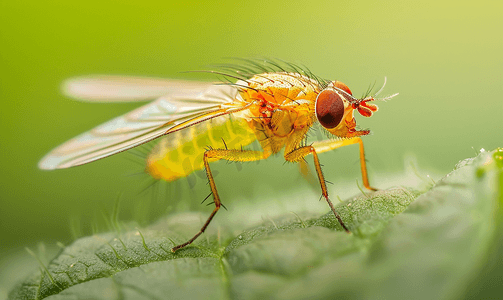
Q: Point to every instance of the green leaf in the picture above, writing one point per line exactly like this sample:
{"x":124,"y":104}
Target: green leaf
{"x":404,"y":244}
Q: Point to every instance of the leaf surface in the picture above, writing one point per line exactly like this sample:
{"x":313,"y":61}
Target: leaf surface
{"x":404,"y":244}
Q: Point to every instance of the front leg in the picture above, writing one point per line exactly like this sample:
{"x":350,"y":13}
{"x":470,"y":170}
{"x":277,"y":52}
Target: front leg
{"x":327,"y":145}
{"x":298,"y":155}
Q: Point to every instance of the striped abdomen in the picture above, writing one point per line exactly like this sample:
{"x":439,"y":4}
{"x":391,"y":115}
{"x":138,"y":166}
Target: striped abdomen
{"x":180,"y":153}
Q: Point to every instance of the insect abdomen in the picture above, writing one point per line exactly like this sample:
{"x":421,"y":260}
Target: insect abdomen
{"x":180,"y":153}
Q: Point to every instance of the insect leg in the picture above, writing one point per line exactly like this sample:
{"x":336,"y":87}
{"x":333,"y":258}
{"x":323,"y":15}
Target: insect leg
{"x":298,"y":155}
{"x":327,"y":145}
{"x":214,"y":155}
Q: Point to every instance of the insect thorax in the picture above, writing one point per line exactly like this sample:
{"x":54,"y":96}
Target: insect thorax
{"x":282,"y":108}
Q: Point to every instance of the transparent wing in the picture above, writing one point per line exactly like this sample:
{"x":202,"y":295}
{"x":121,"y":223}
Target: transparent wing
{"x":162,"y":116}
{"x":105,"y":88}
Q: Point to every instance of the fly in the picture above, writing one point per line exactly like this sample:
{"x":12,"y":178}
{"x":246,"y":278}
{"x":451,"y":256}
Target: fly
{"x":273,"y":102}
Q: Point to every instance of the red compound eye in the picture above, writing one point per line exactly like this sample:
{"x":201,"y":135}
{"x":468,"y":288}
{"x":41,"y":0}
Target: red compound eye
{"x":329,"y":108}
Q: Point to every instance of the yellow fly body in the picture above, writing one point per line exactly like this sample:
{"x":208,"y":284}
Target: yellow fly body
{"x":181,"y":153}
{"x":273,"y":102}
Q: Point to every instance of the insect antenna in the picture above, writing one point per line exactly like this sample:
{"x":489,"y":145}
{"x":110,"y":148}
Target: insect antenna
{"x":380,"y":90}
{"x":387,"y":98}
{"x":369,"y":90}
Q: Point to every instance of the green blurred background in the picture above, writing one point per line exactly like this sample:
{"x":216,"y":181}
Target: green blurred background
{"x":443,"y":57}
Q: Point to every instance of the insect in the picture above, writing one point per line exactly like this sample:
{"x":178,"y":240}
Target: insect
{"x":273,"y":102}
